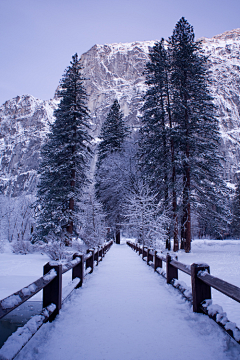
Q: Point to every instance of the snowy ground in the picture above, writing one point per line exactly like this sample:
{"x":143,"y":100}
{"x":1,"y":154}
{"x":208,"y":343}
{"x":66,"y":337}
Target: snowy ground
{"x":223,"y":257}
{"x":138,"y":309}
{"x":126,"y":311}
{"x":18,"y":271}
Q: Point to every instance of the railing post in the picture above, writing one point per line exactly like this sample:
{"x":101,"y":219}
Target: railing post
{"x":143,"y":251}
{"x":140,"y":250}
{"x":100,"y":252}
{"x":171,"y":271}
{"x":200,"y":290}
{"x":90,"y":260}
{"x":96,"y":256}
{"x":52,"y":293}
{"x":103,"y":250}
{"x":157,"y":261}
{"x":148,"y":256}
{"x":78,"y":270}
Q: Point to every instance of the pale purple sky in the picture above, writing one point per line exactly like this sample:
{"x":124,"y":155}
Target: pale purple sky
{"x":39,"y":37}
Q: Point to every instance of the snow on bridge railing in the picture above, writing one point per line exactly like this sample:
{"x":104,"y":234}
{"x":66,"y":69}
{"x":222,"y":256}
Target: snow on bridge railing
{"x":202,"y":282}
{"x":13,"y":301}
{"x":53,"y":295}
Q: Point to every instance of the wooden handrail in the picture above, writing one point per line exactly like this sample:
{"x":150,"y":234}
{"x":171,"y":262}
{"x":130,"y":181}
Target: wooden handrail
{"x":51,"y":283}
{"x":71,"y":264}
{"x":87,"y":256}
{"x":180,"y":266}
{"x":19,"y":297}
{"x":161,"y":257}
{"x":201,"y":280}
{"x":12,"y":301}
{"x":224,"y":287}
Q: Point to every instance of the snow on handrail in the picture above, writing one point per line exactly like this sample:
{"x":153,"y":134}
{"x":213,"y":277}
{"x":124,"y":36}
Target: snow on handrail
{"x":52,"y":297}
{"x":161,"y":257}
{"x":202,"y":282}
{"x":224,"y":287}
{"x":71,"y":264}
{"x":180,"y":266}
{"x":88,"y":256}
{"x":22,"y":335}
{"x":13,"y":301}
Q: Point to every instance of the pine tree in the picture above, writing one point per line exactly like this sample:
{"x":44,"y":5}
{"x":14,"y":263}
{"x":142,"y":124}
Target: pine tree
{"x":158,"y":162}
{"x":110,"y":177}
{"x":180,"y":137}
{"x":65,"y":159}
{"x":196,"y":124}
{"x":113,"y":132}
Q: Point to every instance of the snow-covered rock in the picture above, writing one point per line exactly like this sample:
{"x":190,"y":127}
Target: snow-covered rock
{"x":24,"y":122}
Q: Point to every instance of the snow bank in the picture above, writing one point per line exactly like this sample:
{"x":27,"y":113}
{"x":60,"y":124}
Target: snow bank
{"x":216,"y":312}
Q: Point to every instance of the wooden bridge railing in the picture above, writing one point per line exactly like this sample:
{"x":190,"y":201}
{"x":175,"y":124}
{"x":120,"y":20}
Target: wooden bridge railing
{"x":51,"y":284}
{"x":201,"y":283}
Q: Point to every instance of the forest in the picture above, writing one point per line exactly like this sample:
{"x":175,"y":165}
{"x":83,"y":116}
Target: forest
{"x":161,"y":183}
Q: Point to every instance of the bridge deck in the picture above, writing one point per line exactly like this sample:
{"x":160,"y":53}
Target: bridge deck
{"x":125,"y":311}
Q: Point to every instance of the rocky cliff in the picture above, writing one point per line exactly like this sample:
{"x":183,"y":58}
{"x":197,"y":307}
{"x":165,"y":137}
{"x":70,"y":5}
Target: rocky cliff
{"x":116,"y":71}
{"x":24,"y":123}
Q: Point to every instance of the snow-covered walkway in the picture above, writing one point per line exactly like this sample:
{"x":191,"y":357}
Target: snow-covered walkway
{"x":126,"y":311}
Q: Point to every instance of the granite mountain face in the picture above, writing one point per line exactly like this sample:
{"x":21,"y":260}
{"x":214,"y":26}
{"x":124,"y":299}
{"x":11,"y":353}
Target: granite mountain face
{"x":115,"y":71}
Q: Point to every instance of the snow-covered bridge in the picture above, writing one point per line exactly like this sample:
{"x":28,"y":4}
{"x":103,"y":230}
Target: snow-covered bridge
{"x":126,"y":311}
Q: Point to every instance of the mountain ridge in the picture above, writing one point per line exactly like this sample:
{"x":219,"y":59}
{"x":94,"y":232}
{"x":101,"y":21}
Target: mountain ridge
{"x":115,"y":71}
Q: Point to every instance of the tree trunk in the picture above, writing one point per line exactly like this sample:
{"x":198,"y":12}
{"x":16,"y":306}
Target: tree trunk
{"x":188,"y":212}
{"x":174,"y":196}
{"x":117,"y":235}
{"x":174,"y":202}
{"x":68,"y":241}
{"x":187,"y":187}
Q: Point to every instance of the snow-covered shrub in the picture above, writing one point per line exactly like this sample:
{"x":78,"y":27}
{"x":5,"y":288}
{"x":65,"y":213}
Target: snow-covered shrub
{"x":144,"y":215}
{"x":22,"y":247}
{"x":92,"y":218}
{"x":56,"y":250}
{"x":16,"y":218}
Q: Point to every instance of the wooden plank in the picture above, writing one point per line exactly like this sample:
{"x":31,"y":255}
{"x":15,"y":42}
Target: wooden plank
{"x":70,"y":265}
{"x":223,"y":286}
{"x":87,"y":256}
{"x":183,"y":267}
{"x":25,"y":334}
{"x":162,"y":257}
{"x":24,"y":294}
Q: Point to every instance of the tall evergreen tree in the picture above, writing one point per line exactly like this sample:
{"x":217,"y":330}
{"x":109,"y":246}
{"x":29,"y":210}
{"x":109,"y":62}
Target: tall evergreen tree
{"x":65,"y":159}
{"x":196,"y":124}
{"x":110,"y":176}
{"x":180,"y":137}
{"x":158,"y":162}
{"x":113,"y":132}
